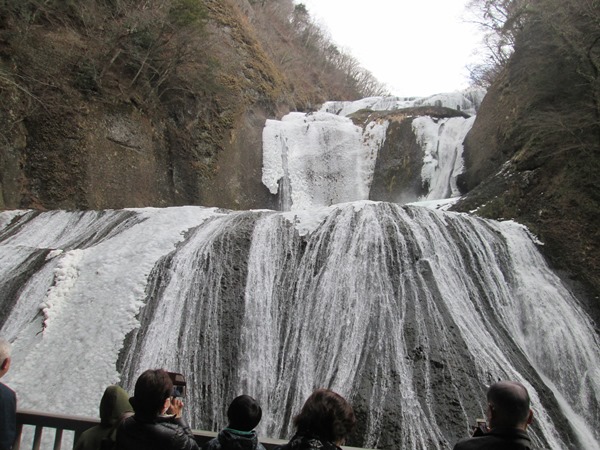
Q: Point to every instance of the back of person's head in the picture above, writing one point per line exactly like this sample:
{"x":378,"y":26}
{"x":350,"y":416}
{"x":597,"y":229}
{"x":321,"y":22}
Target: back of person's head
{"x":5,"y":352}
{"x":114,"y":404}
{"x":244,"y":413}
{"x":509,"y":401}
{"x":152,"y":388}
{"x":327,"y":416}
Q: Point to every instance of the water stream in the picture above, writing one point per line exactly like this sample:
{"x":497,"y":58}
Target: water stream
{"x":408,"y":312}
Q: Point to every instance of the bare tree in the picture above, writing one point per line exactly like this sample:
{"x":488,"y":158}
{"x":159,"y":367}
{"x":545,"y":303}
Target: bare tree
{"x":500,"y":21}
{"x":555,"y":72}
{"x":576,"y":23}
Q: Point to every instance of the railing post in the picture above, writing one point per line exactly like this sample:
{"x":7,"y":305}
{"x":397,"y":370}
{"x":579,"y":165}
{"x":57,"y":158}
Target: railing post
{"x":76,"y":436}
{"x":17,"y":445}
{"x":58,"y":438}
{"x":37,"y":438}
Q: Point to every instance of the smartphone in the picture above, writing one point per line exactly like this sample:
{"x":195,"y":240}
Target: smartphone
{"x":481,"y":427}
{"x":179,"y":384}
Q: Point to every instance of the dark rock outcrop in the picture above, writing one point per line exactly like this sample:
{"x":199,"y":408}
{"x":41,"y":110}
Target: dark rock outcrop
{"x":533,"y":156}
{"x":397,"y":175}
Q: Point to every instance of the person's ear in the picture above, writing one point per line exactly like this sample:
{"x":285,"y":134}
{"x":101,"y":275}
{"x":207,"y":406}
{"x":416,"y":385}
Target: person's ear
{"x":166,"y":406}
{"x":529,"y":419}
{"x":490,"y":416}
{"x":5,"y":365}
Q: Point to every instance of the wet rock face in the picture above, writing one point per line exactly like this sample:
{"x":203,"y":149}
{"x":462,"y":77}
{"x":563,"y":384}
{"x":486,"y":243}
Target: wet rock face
{"x":105,"y":159}
{"x":483,"y":152}
{"x":397,"y":176}
{"x":236,"y":182}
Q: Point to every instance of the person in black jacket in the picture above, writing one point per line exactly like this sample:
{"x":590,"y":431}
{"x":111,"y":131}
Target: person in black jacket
{"x":8,"y":402}
{"x":324,"y":423}
{"x":508,"y":415}
{"x":244,"y":414}
{"x":114,"y":407}
{"x":157,"y":423}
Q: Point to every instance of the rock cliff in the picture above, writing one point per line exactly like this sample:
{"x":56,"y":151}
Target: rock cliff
{"x":112,"y":105}
{"x":533,"y":156}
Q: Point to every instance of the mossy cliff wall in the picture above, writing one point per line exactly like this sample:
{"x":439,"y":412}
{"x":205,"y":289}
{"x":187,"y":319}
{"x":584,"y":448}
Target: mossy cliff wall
{"x":533,"y":155}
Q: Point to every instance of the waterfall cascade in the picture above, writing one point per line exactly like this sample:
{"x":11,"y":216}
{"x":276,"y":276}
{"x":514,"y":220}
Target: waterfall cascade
{"x":324,"y":158}
{"x":408,"y":312}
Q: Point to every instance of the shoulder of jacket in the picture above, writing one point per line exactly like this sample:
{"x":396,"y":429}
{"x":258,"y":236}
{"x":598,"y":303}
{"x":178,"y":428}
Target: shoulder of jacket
{"x":4,"y":389}
{"x":213,"y":444}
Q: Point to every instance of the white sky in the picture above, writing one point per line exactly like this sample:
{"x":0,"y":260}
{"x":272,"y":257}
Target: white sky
{"x":415,"y":47}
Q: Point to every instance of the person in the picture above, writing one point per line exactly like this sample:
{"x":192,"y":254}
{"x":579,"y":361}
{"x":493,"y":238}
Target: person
{"x":8,"y":402}
{"x":508,"y":416}
{"x":151,"y":428}
{"x":244,"y":414}
{"x":324,"y":422}
{"x":114,"y":406}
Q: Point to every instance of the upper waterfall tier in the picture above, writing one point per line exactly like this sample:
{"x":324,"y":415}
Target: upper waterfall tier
{"x":345,"y":152}
{"x":467,"y":101}
{"x":320,"y":159}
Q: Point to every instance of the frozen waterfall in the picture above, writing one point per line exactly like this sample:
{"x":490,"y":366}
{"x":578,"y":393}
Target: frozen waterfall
{"x":319,"y":159}
{"x":442,"y":144}
{"x":406,"y":311}
{"x":324,"y":158}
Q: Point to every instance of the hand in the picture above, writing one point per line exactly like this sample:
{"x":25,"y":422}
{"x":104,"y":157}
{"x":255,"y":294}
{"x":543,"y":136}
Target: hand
{"x":176,"y":407}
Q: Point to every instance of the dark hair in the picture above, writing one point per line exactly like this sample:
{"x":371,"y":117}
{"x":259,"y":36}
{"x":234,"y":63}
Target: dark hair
{"x":244,"y":413}
{"x":326,"y":415}
{"x":510,"y":401}
{"x":152,"y":388}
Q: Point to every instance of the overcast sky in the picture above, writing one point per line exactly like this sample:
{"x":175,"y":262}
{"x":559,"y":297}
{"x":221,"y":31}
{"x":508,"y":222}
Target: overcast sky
{"x":415,"y":47}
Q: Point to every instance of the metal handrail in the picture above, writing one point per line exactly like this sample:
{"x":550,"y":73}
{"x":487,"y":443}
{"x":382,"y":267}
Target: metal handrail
{"x":78,"y":425}
{"x":58,"y":422}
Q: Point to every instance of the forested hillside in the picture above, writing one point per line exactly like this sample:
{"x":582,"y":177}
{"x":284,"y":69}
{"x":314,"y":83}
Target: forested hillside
{"x":122,"y":103}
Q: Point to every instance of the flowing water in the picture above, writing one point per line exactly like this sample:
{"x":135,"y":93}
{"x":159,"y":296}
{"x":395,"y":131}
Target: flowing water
{"x":406,"y":311}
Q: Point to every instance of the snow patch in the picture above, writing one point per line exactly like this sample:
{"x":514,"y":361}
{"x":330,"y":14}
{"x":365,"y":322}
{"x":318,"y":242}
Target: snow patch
{"x":467,"y":101}
{"x":65,"y":276}
{"x":108,"y":294}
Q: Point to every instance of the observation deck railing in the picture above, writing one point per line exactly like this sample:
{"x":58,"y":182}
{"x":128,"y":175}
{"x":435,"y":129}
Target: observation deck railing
{"x":77,"y":425}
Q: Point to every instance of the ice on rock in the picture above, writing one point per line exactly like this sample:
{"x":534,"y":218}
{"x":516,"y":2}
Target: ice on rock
{"x":320,"y":158}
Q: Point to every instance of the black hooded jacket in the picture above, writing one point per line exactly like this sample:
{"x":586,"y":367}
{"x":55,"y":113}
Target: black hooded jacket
{"x":305,"y":441}
{"x":497,"y":439}
{"x":157,"y":433}
{"x":230,"y":439}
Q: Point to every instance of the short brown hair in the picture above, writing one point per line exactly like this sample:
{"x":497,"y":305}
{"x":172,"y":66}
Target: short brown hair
{"x":326,"y":415}
{"x":152,"y":388}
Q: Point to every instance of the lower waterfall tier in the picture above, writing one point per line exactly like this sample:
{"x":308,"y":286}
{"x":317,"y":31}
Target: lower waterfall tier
{"x":409,"y":313}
